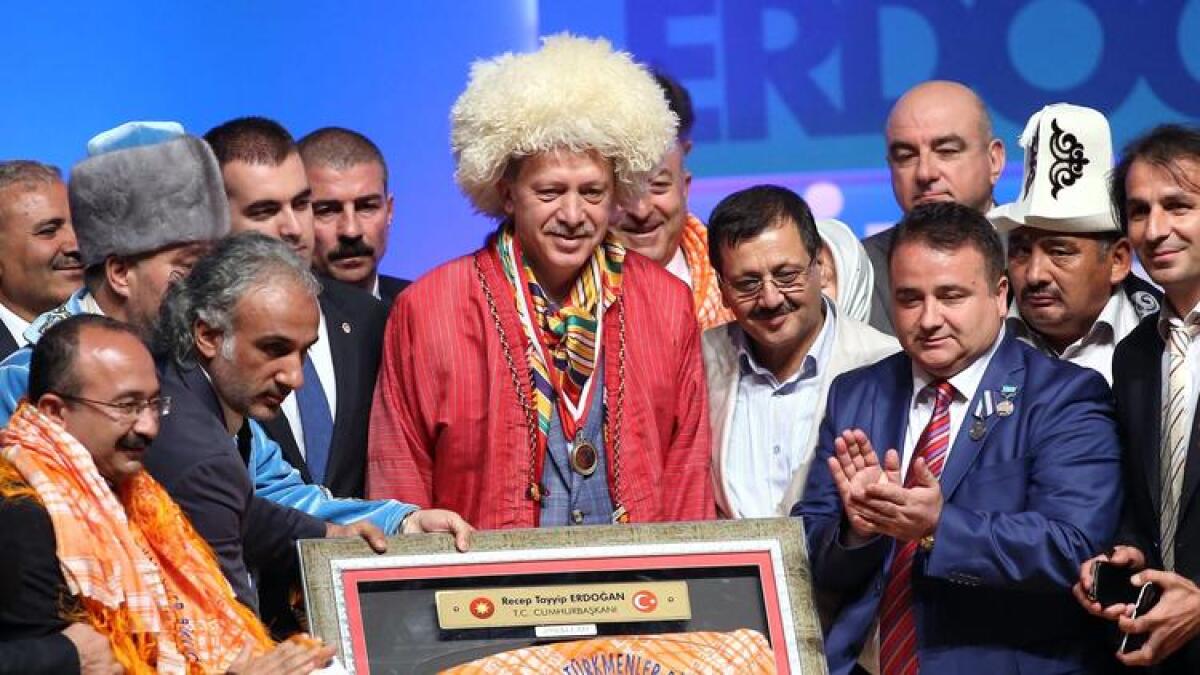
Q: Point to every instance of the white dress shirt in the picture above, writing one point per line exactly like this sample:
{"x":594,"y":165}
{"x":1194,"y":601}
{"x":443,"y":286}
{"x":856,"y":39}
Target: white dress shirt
{"x":772,"y":422}
{"x":678,"y":266}
{"x":322,"y":359}
{"x":1166,"y":318}
{"x":920,"y":409}
{"x":15,"y":325}
{"x":1095,"y":349}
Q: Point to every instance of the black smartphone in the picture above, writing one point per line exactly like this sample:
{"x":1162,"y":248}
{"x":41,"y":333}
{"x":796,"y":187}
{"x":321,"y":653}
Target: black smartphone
{"x":1110,"y":584}
{"x":1147,"y":598}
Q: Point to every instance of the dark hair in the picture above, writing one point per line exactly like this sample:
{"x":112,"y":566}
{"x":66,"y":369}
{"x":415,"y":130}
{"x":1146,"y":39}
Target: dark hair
{"x":747,"y":213}
{"x":253,"y":140}
{"x":679,"y":101}
{"x":949,"y":226}
{"x":1164,"y":146}
{"x":52,"y":365}
{"x":237,"y":266}
{"x":340,"y":149}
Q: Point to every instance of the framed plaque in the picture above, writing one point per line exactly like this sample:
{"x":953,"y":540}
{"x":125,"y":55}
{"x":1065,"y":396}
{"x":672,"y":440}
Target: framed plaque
{"x":423,"y":607}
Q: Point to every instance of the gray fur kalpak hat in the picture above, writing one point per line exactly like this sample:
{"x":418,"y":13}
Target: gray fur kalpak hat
{"x":146,"y":186}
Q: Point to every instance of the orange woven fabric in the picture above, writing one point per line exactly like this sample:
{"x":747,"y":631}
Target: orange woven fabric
{"x":143,"y":576}
{"x":706,"y":292}
{"x":742,"y":651}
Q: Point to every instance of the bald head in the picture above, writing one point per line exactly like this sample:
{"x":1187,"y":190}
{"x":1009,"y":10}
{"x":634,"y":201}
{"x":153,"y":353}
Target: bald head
{"x":940,"y":147}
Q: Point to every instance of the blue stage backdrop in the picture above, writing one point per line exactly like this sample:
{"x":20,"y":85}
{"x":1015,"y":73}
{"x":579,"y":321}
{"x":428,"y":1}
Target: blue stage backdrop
{"x":794,"y":92}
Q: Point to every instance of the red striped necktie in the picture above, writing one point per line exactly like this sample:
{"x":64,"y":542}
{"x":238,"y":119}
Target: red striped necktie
{"x":897,"y":622}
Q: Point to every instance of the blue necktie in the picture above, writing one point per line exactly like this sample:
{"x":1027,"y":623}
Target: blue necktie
{"x":317,"y":421}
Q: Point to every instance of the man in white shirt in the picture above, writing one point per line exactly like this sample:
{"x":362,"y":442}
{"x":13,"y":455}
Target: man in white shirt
{"x":768,"y":372}
{"x":39,"y":259}
{"x":1068,"y":260}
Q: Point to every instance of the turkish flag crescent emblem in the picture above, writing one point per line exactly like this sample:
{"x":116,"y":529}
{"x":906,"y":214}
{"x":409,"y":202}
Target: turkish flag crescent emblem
{"x":645,"y":601}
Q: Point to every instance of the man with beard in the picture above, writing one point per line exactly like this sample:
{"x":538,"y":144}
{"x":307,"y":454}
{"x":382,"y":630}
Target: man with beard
{"x":768,"y":372}
{"x":143,"y":212}
{"x":323,"y":429}
{"x":352,"y":209}
{"x":39,"y":260}
{"x":232,"y":337}
{"x":1067,"y":256}
{"x":548,"y":378}
{"x":97,"y":547}
{"x":659,"y":226}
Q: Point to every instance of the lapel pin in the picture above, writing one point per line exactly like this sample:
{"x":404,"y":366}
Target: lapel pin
{"x":977,"y":429}
{"x":346,"y":327}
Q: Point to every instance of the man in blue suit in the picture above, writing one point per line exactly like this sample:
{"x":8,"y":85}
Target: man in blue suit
{"x":955,"y":550}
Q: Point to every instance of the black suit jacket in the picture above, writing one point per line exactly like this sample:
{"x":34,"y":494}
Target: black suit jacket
{"x":198,"y":462}
{"x":1137,"y":387}
{"x":390,"y":287}
{"x":33,"y":594}
{"x":354,"y":321}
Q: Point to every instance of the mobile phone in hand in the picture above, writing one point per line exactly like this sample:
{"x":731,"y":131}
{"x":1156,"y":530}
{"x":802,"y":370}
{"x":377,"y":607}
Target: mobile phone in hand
{"x":1111,"y":584}
{"x":1146,"y":599}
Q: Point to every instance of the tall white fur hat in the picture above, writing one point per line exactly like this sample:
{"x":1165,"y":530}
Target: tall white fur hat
{"x":573,"y":94}
{"x":1068,"y":159}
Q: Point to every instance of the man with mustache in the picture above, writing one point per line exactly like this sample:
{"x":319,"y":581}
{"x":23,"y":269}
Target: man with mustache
{"x":232,"y":336}
{"x":659,"y":226}
{"x":551,"y":377}
{"x":39,"y":260}
{"x":1068,"y":259}
{"x":1156,"y":375}
{"x":323,"y":429}
{"x":352,"y":209}
{"x":96,"y":548}
{"x":959,"y":484}
{"x":768,"y":373}
{"x":940,"y":147}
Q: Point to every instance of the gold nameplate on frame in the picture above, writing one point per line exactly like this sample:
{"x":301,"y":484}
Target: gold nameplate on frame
{"x":567,"y":604}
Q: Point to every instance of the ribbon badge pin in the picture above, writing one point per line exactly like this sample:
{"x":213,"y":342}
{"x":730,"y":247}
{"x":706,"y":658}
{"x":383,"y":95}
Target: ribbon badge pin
{"x":1005,"y":407}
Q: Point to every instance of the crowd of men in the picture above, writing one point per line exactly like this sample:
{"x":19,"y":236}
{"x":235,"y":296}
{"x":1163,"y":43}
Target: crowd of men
{"x":968,"y":411}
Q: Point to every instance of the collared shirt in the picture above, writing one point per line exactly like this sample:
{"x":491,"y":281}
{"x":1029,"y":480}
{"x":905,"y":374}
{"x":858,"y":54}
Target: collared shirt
{"x":1167,"y":318}
{"x":920,"y":409}
{"x":772,"y":422}
{"x":16,"y":325}
{"x":322,"y":359}
{"x":375,"y":288}
{"x":678,"y":266}
{"x":1095,"y":349}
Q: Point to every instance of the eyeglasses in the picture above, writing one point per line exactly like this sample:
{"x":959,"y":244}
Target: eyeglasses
{"x":127,"y":410}
{"x":790,"y":280}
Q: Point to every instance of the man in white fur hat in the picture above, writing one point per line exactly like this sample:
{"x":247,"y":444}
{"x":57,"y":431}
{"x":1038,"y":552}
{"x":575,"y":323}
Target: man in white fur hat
{"x":551,"y":377}
{"x":1068,"y":260}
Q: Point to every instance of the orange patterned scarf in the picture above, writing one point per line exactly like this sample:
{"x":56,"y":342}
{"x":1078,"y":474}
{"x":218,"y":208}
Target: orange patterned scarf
{"x":710,"y":308}
{"x":143,"y":576}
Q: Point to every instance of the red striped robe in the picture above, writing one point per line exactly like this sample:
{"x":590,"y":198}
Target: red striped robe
{"x":447,"y":430}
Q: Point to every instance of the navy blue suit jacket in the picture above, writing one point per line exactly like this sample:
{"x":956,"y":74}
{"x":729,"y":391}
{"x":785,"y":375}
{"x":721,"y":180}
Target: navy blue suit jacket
{"x":1025,"y":505}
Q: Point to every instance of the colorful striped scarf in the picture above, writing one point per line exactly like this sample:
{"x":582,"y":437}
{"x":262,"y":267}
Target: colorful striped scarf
{"x":570,"y":334}
{"x":144,"y":578}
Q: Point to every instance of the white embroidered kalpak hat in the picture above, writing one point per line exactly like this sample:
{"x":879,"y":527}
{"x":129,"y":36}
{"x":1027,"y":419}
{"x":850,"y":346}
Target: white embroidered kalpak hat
{"x":1068,"y":159}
